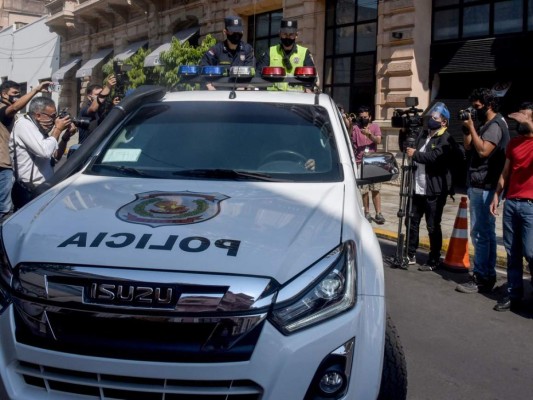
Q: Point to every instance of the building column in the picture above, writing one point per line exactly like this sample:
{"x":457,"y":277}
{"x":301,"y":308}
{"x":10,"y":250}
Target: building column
{"x":403,"y":47}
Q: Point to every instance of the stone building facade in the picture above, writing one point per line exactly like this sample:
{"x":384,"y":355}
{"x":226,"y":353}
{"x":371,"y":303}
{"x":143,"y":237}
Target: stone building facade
{"x":18,"y":13}
{"x":372,"y":52}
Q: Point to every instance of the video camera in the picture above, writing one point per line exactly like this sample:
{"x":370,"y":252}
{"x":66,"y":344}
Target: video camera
{"x":82,"y":123}
{"x":410,"y":121}
{"x":120,"y":70}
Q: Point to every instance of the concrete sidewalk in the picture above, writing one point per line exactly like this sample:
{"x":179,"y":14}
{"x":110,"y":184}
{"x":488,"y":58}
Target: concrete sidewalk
{"x":390,"y":204}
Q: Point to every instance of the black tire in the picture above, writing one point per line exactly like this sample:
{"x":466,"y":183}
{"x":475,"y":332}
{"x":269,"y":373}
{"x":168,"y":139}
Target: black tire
{"x":394,"y":375}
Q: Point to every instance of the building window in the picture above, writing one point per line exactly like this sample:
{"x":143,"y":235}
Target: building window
{"x":466,"y":19}
{"x":263,"y":31}
{"x":350,"y":55}
{"x":530,"y":15}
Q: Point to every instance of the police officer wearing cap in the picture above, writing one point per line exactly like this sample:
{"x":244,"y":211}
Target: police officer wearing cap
{"x":287,"y":53}
{"x":432,"y":155}
{"x":232,"y":51}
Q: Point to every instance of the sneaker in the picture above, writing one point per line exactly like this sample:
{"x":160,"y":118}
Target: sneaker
{"x":411,"y":260}
{"x":506,"y":303}
{"x":472,"y":286}
{"x":380,"y":220}
{"x":430,"y":265}
{"x":368,"y":217}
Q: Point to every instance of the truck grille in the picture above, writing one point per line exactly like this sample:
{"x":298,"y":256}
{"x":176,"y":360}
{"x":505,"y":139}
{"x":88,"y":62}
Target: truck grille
{"x":102,"y":386}
{"x":143,"y":315}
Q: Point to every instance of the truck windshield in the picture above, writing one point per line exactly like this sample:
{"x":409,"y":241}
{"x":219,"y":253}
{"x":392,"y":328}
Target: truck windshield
{"x":224,"y":140}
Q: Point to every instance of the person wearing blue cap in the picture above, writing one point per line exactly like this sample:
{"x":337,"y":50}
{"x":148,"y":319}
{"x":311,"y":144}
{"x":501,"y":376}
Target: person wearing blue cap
{"x":232,"y":51}
{"x":432,"y":156}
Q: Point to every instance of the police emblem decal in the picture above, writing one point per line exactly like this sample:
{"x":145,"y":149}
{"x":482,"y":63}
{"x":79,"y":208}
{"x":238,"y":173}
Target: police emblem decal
{"x":242,"y":57}
{"x":171,"y":208}
{"x":296,"y":60}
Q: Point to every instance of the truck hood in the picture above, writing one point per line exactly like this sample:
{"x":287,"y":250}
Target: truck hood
{"x":266,"y":229}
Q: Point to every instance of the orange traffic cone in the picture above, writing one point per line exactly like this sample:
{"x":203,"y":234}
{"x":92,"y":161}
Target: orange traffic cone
{"x":457,"y":258}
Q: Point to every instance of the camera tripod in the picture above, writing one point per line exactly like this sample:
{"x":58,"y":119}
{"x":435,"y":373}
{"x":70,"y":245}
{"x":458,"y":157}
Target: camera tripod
{"x":401,"y":259}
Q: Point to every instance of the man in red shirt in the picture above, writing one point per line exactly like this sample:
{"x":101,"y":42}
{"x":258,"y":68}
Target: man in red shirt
{"x":516,"y":180}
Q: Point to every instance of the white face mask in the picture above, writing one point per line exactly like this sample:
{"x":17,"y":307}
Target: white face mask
{"x":46,"y":124}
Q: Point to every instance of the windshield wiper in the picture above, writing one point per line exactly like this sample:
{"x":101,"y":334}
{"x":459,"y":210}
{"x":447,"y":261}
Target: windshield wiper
{"x":219,"y":173}
{"x":130,"y":171}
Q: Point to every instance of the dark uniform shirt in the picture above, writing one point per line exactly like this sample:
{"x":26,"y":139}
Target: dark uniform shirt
{"x":220,"y":54}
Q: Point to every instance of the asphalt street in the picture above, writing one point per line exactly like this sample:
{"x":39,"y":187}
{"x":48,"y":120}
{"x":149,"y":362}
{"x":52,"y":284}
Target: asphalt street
{"x":457,"y":347}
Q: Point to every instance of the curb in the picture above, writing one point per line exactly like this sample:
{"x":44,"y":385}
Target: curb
{"x":501,"y":256}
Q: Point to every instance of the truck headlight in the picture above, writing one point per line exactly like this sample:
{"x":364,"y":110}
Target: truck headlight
{"x":332,"y":293}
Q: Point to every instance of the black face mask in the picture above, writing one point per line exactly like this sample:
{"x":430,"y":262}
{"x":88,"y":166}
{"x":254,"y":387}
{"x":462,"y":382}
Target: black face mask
{"x":434,"y":125}
{"x":363,"y":121}
{"x":287,"y":42}
{"x":235,"y":38}
{"x":12,"y":99}
{"x":481,"y":114}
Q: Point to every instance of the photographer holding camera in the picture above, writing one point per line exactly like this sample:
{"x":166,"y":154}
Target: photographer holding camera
{"x":11,"y":102}
{"x":35,"y":145}
{"x":432,"y":153}
{"x":365,"y":138}
{"x":94,"y":106}
{"x":487,"y":157}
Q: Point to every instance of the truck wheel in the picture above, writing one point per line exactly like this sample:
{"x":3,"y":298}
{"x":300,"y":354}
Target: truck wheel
{"x":394,"y":375}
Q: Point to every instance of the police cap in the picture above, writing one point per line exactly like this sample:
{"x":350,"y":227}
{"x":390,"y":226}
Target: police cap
{"x":288,"y":26}
{"x":233,"y":24}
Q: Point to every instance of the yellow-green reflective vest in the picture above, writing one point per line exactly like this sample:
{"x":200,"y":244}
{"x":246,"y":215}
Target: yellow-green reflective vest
{"x":297,"y":60}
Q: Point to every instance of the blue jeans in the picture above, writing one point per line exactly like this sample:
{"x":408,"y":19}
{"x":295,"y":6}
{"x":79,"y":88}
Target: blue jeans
{"x":6,"y":183}
{"x":518,"y":242}
{"x":483,"y":232}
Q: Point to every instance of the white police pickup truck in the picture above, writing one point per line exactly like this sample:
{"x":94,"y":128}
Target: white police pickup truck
{"x":201,"y":245}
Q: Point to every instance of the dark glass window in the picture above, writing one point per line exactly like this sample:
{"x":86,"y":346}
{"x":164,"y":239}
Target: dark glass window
{"x":445,"y":24}
{"x":350,"y":52}
{"x":263,"y":30}
{"x":367,"y":10}
{"x":508,"y":16}
{"x":366,"y":37}
{"x":364,"y":69}
{"x":345,"y":12}
{"x":344,"y":40}
{"x":476,"y":21}
{"x":458,"y":19}
{"x":342,"y":69}
{"x":530,"y":15}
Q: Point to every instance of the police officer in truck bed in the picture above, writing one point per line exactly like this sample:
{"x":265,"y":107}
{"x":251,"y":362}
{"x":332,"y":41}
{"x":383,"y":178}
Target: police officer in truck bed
{"x":287,"y":54}
{"x":232,"y":51}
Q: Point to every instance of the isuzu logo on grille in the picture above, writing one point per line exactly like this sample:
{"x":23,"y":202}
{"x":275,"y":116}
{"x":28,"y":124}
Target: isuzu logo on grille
{"x":131,"y":294}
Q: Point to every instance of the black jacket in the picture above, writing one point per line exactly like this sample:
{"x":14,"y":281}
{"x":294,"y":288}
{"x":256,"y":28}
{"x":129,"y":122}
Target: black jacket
{"x":437,"y":158}
{"x":219,"y":54}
